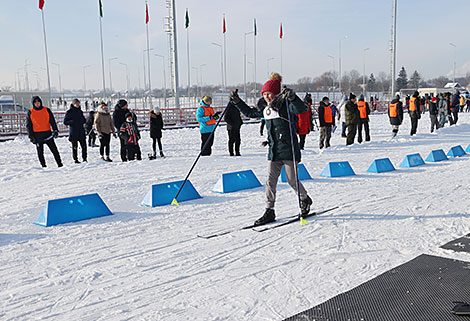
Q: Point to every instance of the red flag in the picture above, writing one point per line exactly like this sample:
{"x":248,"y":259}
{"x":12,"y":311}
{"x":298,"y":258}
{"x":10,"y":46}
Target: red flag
{"x":280,"y":34}
{"x":41,"y":4}
{"x":224,"y":29}
{"x":146,"y":13}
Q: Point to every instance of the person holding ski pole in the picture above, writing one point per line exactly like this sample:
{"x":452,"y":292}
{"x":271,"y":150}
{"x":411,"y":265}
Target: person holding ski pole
{"x":206,"y":117}
{"x":279,"y":128}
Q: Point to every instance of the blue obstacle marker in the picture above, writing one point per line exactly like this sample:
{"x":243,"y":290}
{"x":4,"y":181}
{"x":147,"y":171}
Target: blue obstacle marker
{"x":436,"y":156}
{"x":468,"y":149}
{"x":337,"y":169}
{"x":381,"y":165}
{"x":72,"y":209}
{"x":163,"y":194}
{"x":301,"y":172}
{"x":236,"y":181}
{"x":456,"y":151}
{"x":412,"y":160}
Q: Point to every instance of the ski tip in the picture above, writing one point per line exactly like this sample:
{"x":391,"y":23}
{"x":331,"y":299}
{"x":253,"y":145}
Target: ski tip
{"x":174,"y":202}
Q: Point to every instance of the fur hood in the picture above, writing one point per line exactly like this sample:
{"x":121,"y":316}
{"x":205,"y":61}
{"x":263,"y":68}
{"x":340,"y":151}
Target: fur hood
{"x":101,"y":110}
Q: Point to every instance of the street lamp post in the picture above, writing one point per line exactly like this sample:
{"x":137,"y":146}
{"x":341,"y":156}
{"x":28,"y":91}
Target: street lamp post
{"x":333,"y":75}
{"x":267,"y":63}
{"x":127,"y":77}
{"x":60,"y":81}
{"x":221,"y":63}
{"x":202,"y":81}
{"x":364,"y":72}
{"x":164,"y":77}
{"x":84,"y":78}
{"x":340,"y":66}
{"x":110,"y":76}
{"x":197,"y":78}
{"x":244,"y":61}
{"x":455,"y":58}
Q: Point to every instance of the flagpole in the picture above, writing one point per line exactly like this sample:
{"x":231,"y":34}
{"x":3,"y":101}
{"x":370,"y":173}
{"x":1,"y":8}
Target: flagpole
{"x":254,"y":46}
{"x":148,"y":58}
{"x":102,"y":51}
{"x":225,"y":56}
{"x":47,"y":58}
{"x":187,"y":46}
{"x":281,"y":49}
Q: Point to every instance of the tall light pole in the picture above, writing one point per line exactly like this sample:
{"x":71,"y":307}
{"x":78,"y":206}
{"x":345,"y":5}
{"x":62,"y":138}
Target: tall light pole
{"x":164,"y":77}
{"x":200,"y":68}
{"x":394,"y":47}
{"x":364,"y":71}
{"x":197,"y":78}
{"x":340,"y":66}
{"x":455,"y":58}
{"x":244,"y":62}
{"x":26,"y":78}
{"x":84,"y":78}
{"x":221,"y":63}
{"x":333,"y":75}
{"x":127,"y":77}
{"x":60,"y":80}
{"x":267,"y":62}
{"x":19,"y":79}
{"x":110,"y":76}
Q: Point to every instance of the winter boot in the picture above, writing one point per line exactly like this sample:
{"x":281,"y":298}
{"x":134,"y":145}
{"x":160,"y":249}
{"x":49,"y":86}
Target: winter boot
{"x":102,"y":158}
{"x":108,"y":159}
{"x":267,"y":217}
{"x":77,"y":161}
{"x":305,"y":206}
{"x":161,"y":154}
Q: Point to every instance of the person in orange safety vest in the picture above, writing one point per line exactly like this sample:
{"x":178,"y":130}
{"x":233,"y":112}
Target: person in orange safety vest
{"x":364,"y":112}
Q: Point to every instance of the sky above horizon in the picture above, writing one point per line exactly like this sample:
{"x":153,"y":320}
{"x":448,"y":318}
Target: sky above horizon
{"x":311,"y":31}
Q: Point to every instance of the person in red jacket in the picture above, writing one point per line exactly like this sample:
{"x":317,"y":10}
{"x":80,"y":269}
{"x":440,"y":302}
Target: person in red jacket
{"x":304,"y":124}
{"x":327,"y":119}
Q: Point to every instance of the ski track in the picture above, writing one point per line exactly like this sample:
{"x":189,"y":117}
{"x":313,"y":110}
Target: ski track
{"x":147,"y":263}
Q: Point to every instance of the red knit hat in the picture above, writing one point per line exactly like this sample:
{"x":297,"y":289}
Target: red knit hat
{"x":273,"y":86}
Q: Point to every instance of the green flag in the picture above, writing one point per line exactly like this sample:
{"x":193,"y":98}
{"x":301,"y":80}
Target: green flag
{"x":101,"y":9}
{"x":256,"y":32}
{"x":187,"y":18}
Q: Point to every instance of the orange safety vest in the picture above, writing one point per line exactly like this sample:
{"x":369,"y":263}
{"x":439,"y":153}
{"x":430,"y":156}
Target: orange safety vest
{"x":209,"y":111}
{"x":392,"y":110}
{"x":40,"y":120}
{"x":413,"y":103}
{"x":328,"y":115}
{"x":361,"y":105}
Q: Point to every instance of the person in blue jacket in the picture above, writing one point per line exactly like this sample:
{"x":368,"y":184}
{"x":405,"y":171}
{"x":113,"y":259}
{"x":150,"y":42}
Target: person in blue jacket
{"x":75,"y":120}
{"x":206,"y":117}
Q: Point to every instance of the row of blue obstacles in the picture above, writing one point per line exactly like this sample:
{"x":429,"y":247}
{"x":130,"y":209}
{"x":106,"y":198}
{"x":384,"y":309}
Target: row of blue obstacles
{"x":72,"y":209}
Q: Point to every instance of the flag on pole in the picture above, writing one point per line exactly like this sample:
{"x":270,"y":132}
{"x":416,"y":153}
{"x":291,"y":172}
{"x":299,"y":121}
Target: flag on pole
{"x":101,"y":9}
{"x":146,"y":13}
{"x":280,"y":34}
{"x":187,"y":19}
{"x":224,"y":29}
{"x":255,"y":31}
{"x":41,"y":4}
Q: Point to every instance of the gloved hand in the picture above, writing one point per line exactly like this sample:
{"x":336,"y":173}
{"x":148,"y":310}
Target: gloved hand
{"x":288,"y":93}
{"x":216,"y":115}
{"x":100,"y":136}
{"x":234,"y":98}
{"x":265,"y":143}
{"x":33,"y":140}
{"x":55,"y":133}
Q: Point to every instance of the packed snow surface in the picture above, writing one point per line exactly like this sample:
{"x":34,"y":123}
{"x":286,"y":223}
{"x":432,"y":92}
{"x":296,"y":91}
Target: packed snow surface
{"x":148,"y":263}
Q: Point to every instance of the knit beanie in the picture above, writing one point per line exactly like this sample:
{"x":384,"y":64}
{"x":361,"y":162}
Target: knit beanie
{"x":352,"y":96}
{"x":273,"y":86}
{"x":121,"y":103}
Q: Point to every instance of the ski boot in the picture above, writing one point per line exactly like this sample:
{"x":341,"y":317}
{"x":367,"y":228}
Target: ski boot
{"x":268,"y":217}
{"x":305,"y":206}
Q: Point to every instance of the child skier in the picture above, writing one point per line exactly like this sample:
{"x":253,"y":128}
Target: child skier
{"x":129,"y":133}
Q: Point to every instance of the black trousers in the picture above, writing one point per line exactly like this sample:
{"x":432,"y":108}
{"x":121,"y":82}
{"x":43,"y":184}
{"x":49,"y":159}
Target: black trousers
{"x":75,"y":149}
{"x":351,"y":134}
{"x":364,"y":124}
{"x":234,"y":140}
{"x":132,"y":151}
{"x":154,"y":144}
{"x":104,"y":144}
{"x":52,"y":147}
{"x":414,"y":125}
{"x":91,"y":138}
{"x":205,"y":138}
{"x":455,"y":116}
{"x":302,"y":141}
{"x":123,"y":150}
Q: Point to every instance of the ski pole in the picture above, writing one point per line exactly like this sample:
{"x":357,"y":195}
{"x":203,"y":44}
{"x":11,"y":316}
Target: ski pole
{"x":175,"y":202}
{"x":295,"y":163}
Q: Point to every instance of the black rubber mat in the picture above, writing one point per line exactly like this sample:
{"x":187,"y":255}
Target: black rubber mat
{"x":420,"y":290}
{"x":459,"y":245}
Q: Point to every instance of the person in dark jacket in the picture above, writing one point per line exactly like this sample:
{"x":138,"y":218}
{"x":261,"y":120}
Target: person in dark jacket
{"x":156,"y":126}
{"x":119,"y":117}
{"x":433,"y":112}
{"x":281,"y":135}
{"x":414,"y":110}
{"x":305,"y":123}
{"x":75,"y":120}
{"x":42,"y":129}
{"x":129,"y":133}
{"x":234,"y":123}
{"x":455,"y":107}
{"x":364,"y":112}
{"x":89,"y":129}
{"x":326,"y":119}
{"x":352,"y":118}
{"x":395,"y":113}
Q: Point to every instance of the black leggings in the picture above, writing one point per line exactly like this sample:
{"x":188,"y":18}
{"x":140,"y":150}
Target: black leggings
{"x":75,"y":149}
{"x":154,"y":144}
{"x":91,"y":138}
{"x":53,"y":147}
{"x":104,"y":144}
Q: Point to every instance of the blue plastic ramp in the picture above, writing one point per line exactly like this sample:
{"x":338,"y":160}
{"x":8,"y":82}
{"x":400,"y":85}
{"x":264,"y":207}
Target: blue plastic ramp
{"x":163,"y":194}
{"x":236,"y":181}
{"x":72,"y":209}
{"x":412,"y":160}
{"x":381,"y":165}
{"x":437,"y":155}
{"x":337,"y":169}
{"x":301,"y":172}
{"x":468,"y":149}
{"x":456,"y":151}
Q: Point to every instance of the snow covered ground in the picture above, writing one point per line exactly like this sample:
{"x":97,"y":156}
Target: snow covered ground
{"x":147,"y":263}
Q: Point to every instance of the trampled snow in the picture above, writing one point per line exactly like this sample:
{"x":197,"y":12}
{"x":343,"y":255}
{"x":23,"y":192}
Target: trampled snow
{"x":147,"y":263}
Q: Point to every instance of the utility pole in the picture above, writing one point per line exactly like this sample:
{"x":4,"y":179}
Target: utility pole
{"x":394,"y":48}
{"x":364,"y":72}
{"x":171,"y":30}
